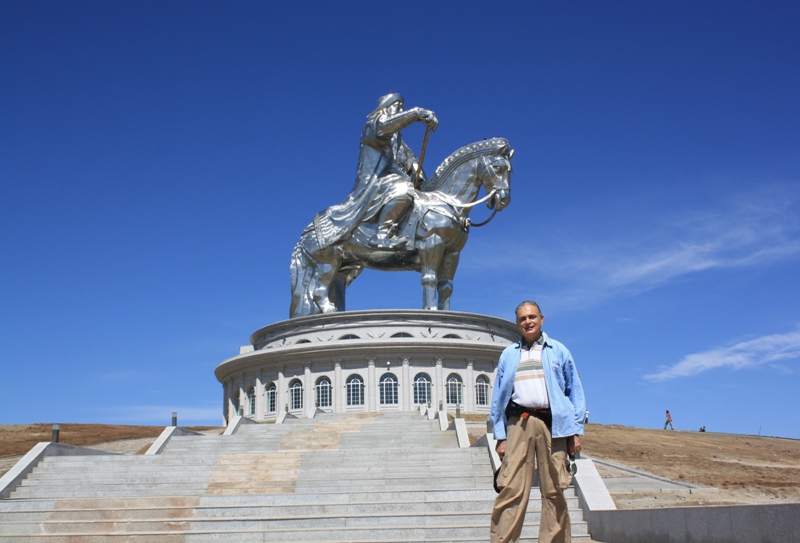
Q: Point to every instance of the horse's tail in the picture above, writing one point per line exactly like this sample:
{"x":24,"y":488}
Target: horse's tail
{"x":302,"y":270}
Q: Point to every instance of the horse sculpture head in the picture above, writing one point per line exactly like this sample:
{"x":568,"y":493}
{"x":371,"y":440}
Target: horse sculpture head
{"x":488,"y":162}
{"x":494,"y":171}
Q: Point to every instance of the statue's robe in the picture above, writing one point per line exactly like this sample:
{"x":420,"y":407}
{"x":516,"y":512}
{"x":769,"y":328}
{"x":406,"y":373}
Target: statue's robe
{"x":385,"y":171}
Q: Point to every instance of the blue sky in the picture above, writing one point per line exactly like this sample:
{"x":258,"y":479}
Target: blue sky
{"x":158,"y":161}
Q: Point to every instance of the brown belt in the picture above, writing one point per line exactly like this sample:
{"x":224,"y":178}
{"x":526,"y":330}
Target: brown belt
{"x":543,"y":414}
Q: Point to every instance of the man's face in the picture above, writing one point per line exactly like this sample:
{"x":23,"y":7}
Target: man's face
{"x":396,"y":107}
{"x":529,"y":322}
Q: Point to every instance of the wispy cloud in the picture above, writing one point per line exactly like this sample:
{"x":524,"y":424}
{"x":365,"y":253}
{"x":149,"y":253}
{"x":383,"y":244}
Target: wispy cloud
{"x":750,"y":232}
{"x":747,"y":354}
{"x":747,"y":231}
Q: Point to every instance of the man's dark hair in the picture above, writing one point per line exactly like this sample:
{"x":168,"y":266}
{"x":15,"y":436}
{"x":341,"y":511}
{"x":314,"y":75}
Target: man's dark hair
{"x":527,"y":302}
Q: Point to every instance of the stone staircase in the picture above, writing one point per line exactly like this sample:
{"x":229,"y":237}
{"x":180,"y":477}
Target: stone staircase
{"x":375,"y":477}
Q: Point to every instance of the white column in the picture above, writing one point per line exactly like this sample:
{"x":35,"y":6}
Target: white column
{"x":280,"y":405}
{"x":370,"y":386}
{"x":338,"y":387}
{"x":469,"y":388}
{"x":439,"y":385}
{"x":308,"y":388}
{"x":405,"y":387}
{"x":226,"y":402}
{"x":241,"y":395}
{"x":259,"y":414}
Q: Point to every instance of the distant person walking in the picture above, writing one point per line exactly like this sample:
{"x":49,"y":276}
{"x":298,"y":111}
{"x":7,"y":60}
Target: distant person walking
{"x":669,"y":421}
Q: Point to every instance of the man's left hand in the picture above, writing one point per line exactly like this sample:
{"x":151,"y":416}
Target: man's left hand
{"x":574,"y":445}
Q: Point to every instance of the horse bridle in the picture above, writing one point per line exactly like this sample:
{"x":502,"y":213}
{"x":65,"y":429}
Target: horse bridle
{"x":489,"y":196}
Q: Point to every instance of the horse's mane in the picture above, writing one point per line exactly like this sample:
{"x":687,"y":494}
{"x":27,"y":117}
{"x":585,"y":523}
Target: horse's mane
{"x":492,"y":146}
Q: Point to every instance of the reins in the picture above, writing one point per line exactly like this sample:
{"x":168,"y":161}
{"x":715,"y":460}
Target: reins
{"x":473,"y":204}
{"x":494,"y":212}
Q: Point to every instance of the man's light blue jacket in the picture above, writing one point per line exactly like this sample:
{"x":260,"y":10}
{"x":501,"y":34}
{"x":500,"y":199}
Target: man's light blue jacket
{"x":564,"y":388}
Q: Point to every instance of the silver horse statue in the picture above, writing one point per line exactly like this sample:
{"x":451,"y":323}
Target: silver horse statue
{"x":427,"y":239}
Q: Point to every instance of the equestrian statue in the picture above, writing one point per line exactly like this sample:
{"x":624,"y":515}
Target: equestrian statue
{"x":394,"y":217}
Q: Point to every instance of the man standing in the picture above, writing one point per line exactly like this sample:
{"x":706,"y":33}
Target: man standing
{"x":669,"y":421}
{"x":538,"y":409}
{"x":384,"y":188}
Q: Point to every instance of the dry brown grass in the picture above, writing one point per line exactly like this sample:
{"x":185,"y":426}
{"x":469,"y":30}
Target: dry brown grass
{"x":18,"y":439}
{"x":767,"y":465}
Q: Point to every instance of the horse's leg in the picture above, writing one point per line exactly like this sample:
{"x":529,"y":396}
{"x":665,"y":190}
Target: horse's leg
{"x":447,"y":271}
{"x":302,"y":303}
{"x":431,"y":250}
{"x":328,"y":262}
{"x":303,"y":272}
{"x":338,"y":287}
{"x":336,"y":292}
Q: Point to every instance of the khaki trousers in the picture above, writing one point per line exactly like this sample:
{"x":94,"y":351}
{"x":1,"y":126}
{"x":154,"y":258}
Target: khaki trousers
{"x":527,"y":439}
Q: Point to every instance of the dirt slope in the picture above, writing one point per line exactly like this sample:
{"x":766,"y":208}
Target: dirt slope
{"x":18,"y":439}
{"x":747,"y":469}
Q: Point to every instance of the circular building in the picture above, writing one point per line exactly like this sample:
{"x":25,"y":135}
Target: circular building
{"x":356,"y":361}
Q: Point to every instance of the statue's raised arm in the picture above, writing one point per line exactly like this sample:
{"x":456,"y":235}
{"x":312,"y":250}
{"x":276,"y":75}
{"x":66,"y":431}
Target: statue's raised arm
{"x":384,"y":223}
{"x":390,"y":119}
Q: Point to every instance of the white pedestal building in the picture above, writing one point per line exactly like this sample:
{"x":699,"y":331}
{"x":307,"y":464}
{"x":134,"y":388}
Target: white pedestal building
{"x":357,"y":361}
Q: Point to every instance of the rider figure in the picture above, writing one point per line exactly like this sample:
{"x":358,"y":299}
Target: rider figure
{"x":384,"y":186}
{"x":388,"y":164}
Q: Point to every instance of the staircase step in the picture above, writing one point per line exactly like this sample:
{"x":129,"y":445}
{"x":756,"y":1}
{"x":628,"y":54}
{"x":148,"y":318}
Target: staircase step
{"x":364,"y":478}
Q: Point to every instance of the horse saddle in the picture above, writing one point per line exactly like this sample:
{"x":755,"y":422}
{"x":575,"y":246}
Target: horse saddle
{"x":366,"y":235}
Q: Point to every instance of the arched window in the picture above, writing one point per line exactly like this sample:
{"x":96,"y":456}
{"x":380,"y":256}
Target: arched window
{"x":388,"y":389}
{"x":355,"y":390}
{"x":303,"y":341}
{"x":402,"y":334}
{"x":482,"y":390}
{"x":451,"y":336}
{"x":422,"y":389}
{"x":349,"y":336}
{"x":323,"y":392}
{"x":296,"y":394}
{"x":251,"y":401}
{"x":454,"y":389}
{"x":271,"y":397}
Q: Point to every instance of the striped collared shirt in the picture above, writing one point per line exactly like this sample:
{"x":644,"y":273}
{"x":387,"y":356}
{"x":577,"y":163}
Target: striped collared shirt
{"x":529,"y":385}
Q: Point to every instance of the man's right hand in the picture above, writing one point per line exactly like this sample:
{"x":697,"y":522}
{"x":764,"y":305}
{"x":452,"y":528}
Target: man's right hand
{"x":501,"y":448}
{"x":428,"y":117}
